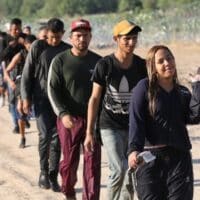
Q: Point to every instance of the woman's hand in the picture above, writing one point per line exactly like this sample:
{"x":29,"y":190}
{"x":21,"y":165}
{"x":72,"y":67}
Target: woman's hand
{"x":133,"y":160}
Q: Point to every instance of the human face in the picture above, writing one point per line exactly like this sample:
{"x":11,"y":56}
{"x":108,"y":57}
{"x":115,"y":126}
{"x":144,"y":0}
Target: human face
{"x":27,"y":30}
{"x":54,"y":39}
{"x":165,"y":64}
{"x":21,"y":40}
{"x":80,"y":39}
{"x":127,"y":43}
{"x":42,"y":35}
{"x":15,"y":30}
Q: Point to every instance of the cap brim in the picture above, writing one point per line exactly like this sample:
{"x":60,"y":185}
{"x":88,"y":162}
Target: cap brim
{"x":128,"y":30}
{"x":81,"y":27}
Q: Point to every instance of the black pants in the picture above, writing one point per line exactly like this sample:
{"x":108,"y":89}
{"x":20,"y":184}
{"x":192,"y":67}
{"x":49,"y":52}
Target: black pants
{"x":49,"y":145}
{"x":168,"y":177}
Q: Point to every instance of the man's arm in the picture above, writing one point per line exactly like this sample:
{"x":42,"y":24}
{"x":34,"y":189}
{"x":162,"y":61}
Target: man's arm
{"x":55,"y":94}
{"x":93,"y":108}
{"x":27,"y":80}
{"x":194,"y":117}
{"x":54,"y":85}
{"x":15,"y":60}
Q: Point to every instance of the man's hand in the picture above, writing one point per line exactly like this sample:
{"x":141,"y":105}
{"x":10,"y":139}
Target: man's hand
{"x":26,"y":106}
{"x":194,"y":78}
{"x":67,"y":121}
{"x":89,"y":142}
{"x":12,"y":85}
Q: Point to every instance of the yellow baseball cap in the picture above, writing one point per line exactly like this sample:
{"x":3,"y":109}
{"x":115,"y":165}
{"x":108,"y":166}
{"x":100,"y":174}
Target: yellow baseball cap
{"x":124,"y":27}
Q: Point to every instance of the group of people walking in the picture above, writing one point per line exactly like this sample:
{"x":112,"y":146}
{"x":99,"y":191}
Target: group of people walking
{"x":121,"y":101}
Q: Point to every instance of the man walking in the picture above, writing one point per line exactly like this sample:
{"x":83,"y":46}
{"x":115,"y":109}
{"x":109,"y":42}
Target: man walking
{"x":11,"y":47}
{"x":34,"y":90}
{"x":114,"y":78}
{"x":69,"y":88}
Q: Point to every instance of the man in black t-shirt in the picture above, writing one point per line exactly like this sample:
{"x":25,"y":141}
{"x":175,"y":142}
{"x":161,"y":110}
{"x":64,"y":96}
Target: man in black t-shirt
{"x":114,"y":78}
{"x":34,"y":90}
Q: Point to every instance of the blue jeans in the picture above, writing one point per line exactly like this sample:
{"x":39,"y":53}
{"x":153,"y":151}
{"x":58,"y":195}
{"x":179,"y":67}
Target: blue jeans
{"x":13,"y":112}
{"x":115,"y":143}
{"x":12,"y":106}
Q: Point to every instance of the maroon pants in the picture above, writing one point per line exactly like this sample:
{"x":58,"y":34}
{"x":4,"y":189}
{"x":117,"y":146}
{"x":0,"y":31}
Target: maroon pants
{"x":71,"y":141}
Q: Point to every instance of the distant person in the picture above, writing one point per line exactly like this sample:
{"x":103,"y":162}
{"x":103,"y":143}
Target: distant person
{"x":69,"y":88}
{"x":17,"y":63}
{"x":34,"y":91}
{"x":3,"y":41}
{"x":114,"y":78}
{"x":2,"y":86}
{"x":27,"y":30}
{"x":3,"y":44}
{"x":21,"y":39}
{"x":160,"y":108}
{"x":12,"y":47}
{"x":42,"y":33}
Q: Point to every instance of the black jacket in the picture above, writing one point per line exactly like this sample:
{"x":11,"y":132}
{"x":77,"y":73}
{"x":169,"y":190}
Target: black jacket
{"x":174,"y":110}
{"x":35,"y":72}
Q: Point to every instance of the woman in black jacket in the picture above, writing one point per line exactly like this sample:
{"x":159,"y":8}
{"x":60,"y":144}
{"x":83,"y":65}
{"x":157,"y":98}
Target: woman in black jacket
{"x":159,"y":111}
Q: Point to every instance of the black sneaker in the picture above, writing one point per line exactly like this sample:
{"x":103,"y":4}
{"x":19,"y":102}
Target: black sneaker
{"x":22,"y":143}
{"x":27,"y":124}
{"x":54,"y":185}
{"x":16,"y":130}
{"x":44,"y":181}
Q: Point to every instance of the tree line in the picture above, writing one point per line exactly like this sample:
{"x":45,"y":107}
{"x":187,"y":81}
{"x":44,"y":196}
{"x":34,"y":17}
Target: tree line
{"x":58,"y":8}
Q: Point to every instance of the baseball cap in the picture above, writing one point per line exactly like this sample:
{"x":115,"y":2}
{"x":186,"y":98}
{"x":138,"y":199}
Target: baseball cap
{"x":124,"y":27}
{"x":80,"y":23}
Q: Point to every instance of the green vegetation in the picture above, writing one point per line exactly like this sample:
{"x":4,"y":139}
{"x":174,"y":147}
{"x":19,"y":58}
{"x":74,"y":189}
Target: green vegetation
{"x":58,"y":8}
{"x":162,"y":21}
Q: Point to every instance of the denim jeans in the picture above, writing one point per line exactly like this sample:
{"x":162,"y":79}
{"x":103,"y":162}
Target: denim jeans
{"x":12,"y":106}
{"x":115,"y":143}
{"x":13,"y":112}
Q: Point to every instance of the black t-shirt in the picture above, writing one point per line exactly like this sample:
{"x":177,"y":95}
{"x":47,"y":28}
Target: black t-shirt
{"x":19,"y":69}
{"x":118,"y":84}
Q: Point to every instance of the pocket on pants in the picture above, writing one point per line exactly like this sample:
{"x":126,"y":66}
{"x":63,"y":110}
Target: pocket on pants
{"x":147,"y":173}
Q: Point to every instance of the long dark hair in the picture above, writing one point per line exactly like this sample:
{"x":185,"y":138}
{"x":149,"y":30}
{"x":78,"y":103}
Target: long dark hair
{"x":152,"y":75}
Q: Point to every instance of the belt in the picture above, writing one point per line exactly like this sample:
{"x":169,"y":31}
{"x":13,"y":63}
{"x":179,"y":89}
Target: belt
{"x":155,"y":146}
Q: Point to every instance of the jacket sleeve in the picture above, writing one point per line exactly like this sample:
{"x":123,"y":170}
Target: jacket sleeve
{"x":54,"y":88}
{"x":27,"y":80}
{"x":194,"y":117}
{"x":137,"y":119}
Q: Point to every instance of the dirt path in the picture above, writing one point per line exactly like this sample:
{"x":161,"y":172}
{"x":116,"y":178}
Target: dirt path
{"x":19,"y":168}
